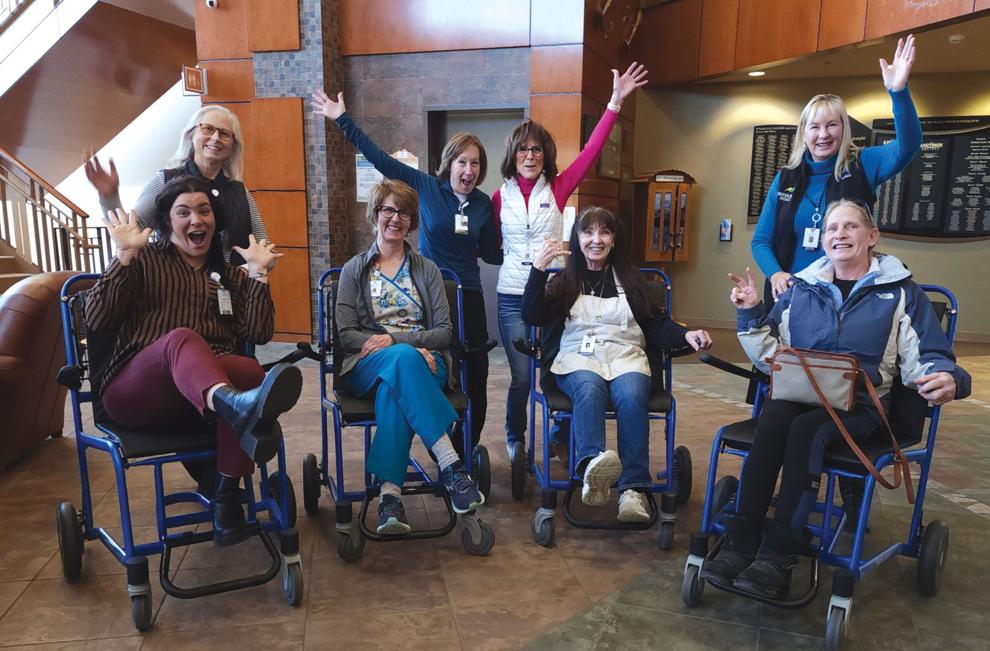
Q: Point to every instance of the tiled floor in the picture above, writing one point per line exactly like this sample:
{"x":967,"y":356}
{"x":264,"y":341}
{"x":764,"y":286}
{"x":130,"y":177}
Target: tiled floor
{"x":593,"y":589}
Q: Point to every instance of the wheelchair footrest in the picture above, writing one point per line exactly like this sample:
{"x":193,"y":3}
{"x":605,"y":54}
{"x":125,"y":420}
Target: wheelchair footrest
{"x":581,"y":523}
{"x":180,"y":592}
{"x":415,"y":534}
{"x":787,"y":602}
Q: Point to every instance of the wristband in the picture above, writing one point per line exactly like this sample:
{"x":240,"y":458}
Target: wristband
{"x":612,"y":106}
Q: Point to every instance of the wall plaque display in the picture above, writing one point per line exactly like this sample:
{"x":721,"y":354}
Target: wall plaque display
{"x":945,"y":191}
{"x":771,"y":148}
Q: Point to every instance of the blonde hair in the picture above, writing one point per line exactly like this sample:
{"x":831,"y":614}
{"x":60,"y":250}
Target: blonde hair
{"x":848,"y":152}
{"x":233,"y":166}
{"x":405,"y":198}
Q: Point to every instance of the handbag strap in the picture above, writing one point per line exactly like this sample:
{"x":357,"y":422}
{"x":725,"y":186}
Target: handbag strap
{"x":901,"y":465}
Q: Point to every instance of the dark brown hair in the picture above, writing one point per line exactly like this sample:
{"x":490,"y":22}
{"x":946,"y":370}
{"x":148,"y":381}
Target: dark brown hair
{"x":517,"y":138}
{"x":454,"y":148}
{"x":404,"y":196}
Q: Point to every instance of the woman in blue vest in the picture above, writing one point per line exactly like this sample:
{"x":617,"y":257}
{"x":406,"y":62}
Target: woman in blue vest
{"x":828,"y":167}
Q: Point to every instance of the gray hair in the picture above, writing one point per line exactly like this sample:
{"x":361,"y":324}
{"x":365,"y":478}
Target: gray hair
{"x":233,"y":167}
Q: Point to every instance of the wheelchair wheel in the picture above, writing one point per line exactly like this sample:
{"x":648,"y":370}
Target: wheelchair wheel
{"x":665,"y":535}
{"x":350,"y":546}
{"x":141,"y":611}
{"x":692,"y":587}
{"x":275,"y":482}
{"x":682,"y":474}
{"x":931,"y":557}
{"x":543,"y":531}
{"x":518,"y":461}
{"x":292,"y":584}
{"x":70,"y":541}
{"x":311,"y":484}
{"x":724,"y":494}
{"x":484,"y":547}
{"x":482,"y":468}
{"x":835,"y":628}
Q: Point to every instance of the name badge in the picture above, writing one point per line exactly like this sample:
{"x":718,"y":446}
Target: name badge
{"x":461,"y":224}
{"x":624,"y":324}
{"x":811,"y":237}
{"x":588,"y":343}
{"x":223,"y":298}
{"x":376,"y":287}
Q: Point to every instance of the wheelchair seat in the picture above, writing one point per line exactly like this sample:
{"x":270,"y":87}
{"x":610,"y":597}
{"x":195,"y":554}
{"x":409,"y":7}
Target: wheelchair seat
{"x":143,"y":443}
{"x":557,"y":400}
{"x":359,"y":408}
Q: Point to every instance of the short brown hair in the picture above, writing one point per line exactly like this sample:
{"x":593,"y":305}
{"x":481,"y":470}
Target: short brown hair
{"x":518,"y":137}
{"x":403,"y":195}
{"x":454,"y":148}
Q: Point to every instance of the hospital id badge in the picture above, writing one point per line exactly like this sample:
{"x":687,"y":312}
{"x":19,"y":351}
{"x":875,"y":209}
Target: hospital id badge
{"x":461,"y":224}
{"x":588,"y":343}
{"x":223,"y":298}
{"x":811,"y":237}
{"x":376,"y":288}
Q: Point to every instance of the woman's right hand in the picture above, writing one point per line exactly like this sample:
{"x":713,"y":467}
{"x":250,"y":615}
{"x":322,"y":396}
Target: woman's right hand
{"x":431,"y":361}
{"x":127,"y":235}
{"x":744,"y":294}
{"x":329,"y":108}
{"x":105,"y":181}
{"x":551,"y":249}
{"x":780,"y":282}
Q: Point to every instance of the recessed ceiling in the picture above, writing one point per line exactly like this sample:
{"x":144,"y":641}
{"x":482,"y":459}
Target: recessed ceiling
{"x":177,"y":12}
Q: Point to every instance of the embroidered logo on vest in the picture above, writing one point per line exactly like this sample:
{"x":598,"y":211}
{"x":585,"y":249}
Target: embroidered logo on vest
{"x":885,"y":295}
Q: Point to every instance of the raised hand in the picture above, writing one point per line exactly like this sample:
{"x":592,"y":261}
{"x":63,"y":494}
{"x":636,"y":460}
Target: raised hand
{"x":622,"y":86}
{"x":128,"y":237}
{"x":551,"y":249}
{"x":329,"y":108}
{"x":896,"y":73}
{"x":259,"y":256}
{"x":744,"y":294}
{"x":105,"y":181}
{"x":698,"y":339}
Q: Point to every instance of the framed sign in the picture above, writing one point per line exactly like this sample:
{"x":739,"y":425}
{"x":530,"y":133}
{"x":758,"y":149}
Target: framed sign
{"x":193,"y":81}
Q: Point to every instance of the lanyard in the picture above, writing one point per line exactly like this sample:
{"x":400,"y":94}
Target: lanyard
{"x":396,"y":285}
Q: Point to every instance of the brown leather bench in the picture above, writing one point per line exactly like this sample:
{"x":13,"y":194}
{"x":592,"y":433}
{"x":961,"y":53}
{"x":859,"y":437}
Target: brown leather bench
{"x":32,"y":403}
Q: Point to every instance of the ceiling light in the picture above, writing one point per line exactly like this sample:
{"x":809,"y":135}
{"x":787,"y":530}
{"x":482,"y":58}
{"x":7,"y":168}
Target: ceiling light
{"x":757,"y":73}
{"x":956,"y":39}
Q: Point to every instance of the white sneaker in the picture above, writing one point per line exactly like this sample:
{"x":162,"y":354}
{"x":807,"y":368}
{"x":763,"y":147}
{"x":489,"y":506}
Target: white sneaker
{"x":632,"y":507}
{"x":601,"y":473}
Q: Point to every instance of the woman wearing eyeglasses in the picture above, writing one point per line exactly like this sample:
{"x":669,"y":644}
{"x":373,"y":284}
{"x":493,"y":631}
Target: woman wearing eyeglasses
{"x":828,"y":167}
{"x":393,"y":325}
{"x":530,"y":206}
{"x":210,"y":148}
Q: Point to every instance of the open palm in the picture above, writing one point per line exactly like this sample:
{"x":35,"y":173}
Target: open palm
{"x":633,"y":78}
{"x":896,"y":73}
{"x":126,"y":234}
{"x":329,"y":108}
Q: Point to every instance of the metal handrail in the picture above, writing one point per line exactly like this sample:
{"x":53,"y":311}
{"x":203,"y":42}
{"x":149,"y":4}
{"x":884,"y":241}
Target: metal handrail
{"x":9,"y":10}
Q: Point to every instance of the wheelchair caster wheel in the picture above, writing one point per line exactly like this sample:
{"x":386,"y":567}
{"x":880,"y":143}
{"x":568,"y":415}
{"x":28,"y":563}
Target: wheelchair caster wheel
{"x":481,"y":468}
{"x":682,"y":474}
{"x":724,"y":494}
{"x":350,"y":546}
{"x":311,"y":484}
{"x":931,"y":557}
{"x":141,"y":611}
{"x":835,"y":628}
{"x":70,"y":541}
{"x":693,"y":586}
{"x":518,"y":461}
{"x":483,"y":546}
{"x":275,"y":484}
{"x":665,"y":535}
{"x":292,"y":584}
{"x":543,"y":530}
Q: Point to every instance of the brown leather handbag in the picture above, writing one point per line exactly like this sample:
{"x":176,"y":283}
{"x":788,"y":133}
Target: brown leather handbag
{"x":828,"y":380}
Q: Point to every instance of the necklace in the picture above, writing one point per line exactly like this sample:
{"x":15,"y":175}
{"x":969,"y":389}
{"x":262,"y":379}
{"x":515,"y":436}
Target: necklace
{"x":599,"y":286}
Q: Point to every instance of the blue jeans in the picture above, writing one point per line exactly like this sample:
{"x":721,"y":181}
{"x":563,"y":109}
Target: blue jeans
{"x":409,"y":400}
{"x":511,"y":327}
{"x":630,"y":393}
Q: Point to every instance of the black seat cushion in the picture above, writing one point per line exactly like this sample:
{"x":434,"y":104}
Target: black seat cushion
{"x":147,"y":443}
{"x":557,"y":400}
{"x":356,"y":408}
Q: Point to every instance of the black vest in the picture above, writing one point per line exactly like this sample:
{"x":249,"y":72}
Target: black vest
{"x":233,"y":198}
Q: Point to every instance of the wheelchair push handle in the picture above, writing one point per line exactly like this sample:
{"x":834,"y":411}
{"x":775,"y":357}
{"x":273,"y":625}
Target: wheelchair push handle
{"x":523,"y":346}
{"x":303,"y":351}
{"x":729,"y":367}
{"x":477,"y":351}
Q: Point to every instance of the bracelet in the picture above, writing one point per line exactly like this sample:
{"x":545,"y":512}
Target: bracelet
{"x":257,"y":274}
{"x":612,"y":106}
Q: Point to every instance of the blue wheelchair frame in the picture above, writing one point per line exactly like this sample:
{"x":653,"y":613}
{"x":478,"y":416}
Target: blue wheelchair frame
{"x":477,"y":537}
{"x":673,"y":482}
{"x":851,"y":567}
{"x":279,"y":504}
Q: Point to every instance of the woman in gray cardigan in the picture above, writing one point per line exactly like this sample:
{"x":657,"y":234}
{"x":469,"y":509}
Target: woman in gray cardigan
{"x":393,"y":326}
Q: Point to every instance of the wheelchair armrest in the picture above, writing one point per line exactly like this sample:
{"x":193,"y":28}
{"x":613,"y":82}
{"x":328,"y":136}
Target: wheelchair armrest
{"x":523,"y":347}
{"x":303,"y":351}
{"x":477,"y":351}
{"x":70,"y":377}
{"x":729,"y":367}
{"x":681,"y":351}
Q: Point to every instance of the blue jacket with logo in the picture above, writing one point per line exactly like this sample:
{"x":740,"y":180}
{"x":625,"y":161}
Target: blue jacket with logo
{"x":886,"y":321}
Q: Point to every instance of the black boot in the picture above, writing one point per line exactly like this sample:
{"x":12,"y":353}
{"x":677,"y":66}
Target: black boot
{"x":252,"y":413}
{"x":742,"y":537}
{"x":229,"y":525}
{"x":770,"y":574}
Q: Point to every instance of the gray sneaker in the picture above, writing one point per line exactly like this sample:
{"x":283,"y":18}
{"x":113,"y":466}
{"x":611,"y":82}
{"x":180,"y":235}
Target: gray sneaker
{"x":601,"y":473}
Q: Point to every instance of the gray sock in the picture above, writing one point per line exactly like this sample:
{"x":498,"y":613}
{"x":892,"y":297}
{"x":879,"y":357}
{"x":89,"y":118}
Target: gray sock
{"x":444,"y":451}
{"x":388,"y":488}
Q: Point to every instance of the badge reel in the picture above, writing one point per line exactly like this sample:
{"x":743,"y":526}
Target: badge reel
{"x":588,"y":343}
{"x":812,"y":234}
{"x":376,"y":285}
{"x":461,"y":220}
{"x":223,"y":296}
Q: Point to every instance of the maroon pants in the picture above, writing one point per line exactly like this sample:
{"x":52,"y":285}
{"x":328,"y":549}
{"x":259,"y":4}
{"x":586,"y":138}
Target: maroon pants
{"x":164,"y":386}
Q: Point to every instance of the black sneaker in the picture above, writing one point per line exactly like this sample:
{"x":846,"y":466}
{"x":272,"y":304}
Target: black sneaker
{"x":392,"y":516}
{"x":464,"y":496}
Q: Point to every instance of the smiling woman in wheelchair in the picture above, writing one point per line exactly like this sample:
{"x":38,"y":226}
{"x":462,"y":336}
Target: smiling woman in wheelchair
{"x":851,"y":301}
{"x":608,"y":332}
{"x":178,"y":310}
{"x":393,"y":324}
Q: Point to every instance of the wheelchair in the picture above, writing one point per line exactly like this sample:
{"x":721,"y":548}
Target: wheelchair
{"x":342,"y":408}
{"x":928,"y":543}
{"x":674,"y":482}
{"x":135,"y":449}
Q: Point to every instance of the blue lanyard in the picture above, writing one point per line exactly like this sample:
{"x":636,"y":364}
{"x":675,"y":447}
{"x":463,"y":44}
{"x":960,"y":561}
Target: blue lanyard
{"x":394,"y":284}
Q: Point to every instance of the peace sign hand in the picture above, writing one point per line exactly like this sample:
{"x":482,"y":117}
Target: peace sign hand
{"x":896,"y":73}
{"x":744,"y":294}
{"x":126,"y":234}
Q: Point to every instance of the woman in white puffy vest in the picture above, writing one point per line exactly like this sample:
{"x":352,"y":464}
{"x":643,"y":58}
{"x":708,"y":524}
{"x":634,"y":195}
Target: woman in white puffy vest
{"x":530,"y":207}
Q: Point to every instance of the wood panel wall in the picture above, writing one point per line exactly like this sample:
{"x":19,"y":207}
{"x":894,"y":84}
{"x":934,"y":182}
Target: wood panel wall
{"x":772,"y":30}
{"x":842,"y":22}
{"x":719,"y":23}
{"x":890,"y":16}
{"x":669,"y":42}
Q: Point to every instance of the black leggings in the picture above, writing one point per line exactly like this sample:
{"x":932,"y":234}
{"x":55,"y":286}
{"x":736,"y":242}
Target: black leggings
{"x":793,"y":436}
{"x":475,"y":335}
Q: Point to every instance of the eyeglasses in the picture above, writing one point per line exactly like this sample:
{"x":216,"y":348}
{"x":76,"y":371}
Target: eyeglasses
{"x":536,"y":150}
{"x":389,"y":212}
{"x":208,"y":130}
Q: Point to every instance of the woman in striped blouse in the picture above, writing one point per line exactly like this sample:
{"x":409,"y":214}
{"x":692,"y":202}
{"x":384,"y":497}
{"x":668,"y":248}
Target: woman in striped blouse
{"x":176,"y":310}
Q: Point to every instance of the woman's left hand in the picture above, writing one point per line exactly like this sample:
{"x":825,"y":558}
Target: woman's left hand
{"x":259,"y":255}
{"x":896,"y":73}
{"x":431,"y":361}
{"x":622,"y":86}
{"x":937,"y":388}
{"x":698,"y":339}
{"x":374,"y":343}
